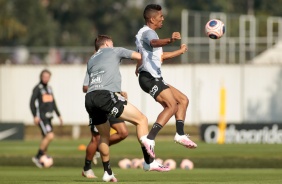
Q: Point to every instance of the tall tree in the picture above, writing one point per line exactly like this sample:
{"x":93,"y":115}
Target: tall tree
{"x":10,"y":27}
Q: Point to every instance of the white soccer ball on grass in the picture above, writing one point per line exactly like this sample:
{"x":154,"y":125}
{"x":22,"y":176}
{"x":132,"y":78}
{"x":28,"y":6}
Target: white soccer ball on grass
{"x":124,"y":163}
{"x":170,"y":163}
{"x":186,"y":164}
{"x":46,"y":161}
{"x":136,"y":163}
{"x":159,"y":160}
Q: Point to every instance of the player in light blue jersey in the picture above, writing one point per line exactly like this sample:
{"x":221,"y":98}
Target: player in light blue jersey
{"x":173,"y":101}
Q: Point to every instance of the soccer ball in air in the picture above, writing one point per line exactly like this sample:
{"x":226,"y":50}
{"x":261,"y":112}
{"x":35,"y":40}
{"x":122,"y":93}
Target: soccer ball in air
{"x":124,"y":163}
{"x":186,"y":164}
{"x":170,"y":163}
{"x":46,"y":161}
{"x":215,"y":29}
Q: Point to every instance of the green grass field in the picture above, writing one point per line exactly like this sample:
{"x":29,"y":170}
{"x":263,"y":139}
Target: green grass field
{"x":65,"y":153}
{"x":230,"y":163}
{"x":72,"y":175}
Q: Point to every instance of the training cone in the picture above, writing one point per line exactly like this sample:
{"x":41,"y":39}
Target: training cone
{"x":81,"y":147}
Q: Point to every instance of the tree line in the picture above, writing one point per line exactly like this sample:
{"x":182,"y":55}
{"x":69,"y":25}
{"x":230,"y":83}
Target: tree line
{"x":77,"y":22}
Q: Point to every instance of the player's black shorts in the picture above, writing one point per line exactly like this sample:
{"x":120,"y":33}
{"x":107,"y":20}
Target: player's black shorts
{"x":102,"y":104}
{"x":45,"y":126}
{"x":112,"y":121}
{"x":149,"y":84}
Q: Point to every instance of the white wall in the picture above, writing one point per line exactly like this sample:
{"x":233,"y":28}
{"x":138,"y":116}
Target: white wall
{"x":253,"y":93}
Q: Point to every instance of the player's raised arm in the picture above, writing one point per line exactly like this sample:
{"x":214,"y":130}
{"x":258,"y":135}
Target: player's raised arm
{"x":165,"y":41}
{"x":136,"y":56}
{"x":182,"y":50}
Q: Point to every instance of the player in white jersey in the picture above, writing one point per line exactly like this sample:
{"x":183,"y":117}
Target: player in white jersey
{"x":173,"y":101}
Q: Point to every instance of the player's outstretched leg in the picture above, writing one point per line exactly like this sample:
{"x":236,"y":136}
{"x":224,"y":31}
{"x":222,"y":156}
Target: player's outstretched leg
{"x":42,"y":148}
{"x":184,"y":141}
{"x":149,"y":145}
{"x":180,"y":115}
{"x":88,"y":173}
{"x":109,"y":178}
{"x":134,"y":116}
{"x":155,"y":166}
{"x":166,"y":99}
{"x":150,"y":164}
{"x":36,"y":161}
{"x":90,"y":151}
{"x":104,"y":130}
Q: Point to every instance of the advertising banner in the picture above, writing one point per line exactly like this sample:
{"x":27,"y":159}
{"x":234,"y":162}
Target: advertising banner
{"x":267,"y":133}
{"x":11,"y":131}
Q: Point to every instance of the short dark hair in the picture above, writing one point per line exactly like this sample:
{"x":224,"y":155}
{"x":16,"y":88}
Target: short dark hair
{"x":100,"y":40}
{"x":44,"y":71}
{"x":150,"y":9}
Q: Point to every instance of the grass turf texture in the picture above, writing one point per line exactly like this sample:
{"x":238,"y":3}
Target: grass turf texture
{"x":72,"y":175}
{"x":66,"y":154}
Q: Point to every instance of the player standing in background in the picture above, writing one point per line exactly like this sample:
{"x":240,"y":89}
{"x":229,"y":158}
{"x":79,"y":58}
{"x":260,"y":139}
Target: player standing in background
{"x":103,"y":99}
{"x":120,"y":134}
{"x":42,"y":105}
{"x":173,"y":101}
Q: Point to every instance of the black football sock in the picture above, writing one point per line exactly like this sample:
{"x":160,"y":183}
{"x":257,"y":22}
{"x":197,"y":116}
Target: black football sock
{"x":87,"y":165}
{"x":39,"y":153}
{"x":154,"y":131}
{"x":180,"y":127}
{"x":107,"y":167}
{"x":147,"y":157}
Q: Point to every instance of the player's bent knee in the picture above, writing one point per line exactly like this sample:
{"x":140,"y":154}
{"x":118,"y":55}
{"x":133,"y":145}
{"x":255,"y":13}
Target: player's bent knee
{"x":94,"y":139}
{"x":173,"y":108}
{"x":105,"y":136}
{"x":50,"y":136}
{"x":144,"y":119}
{"x":185,"y":101}
{"x":123,"y":134}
